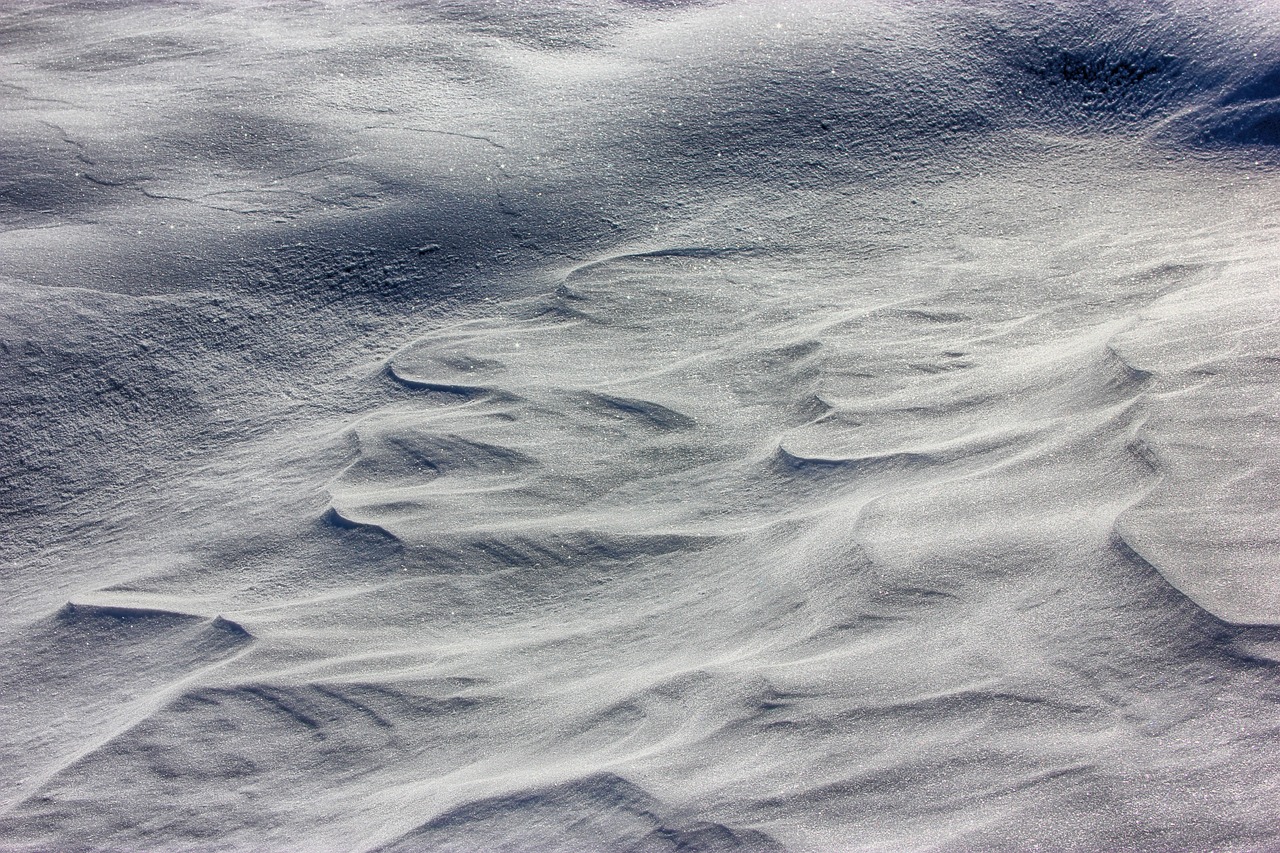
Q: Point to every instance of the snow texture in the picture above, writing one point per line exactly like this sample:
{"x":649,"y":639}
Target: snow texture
{"x":628,"y":425}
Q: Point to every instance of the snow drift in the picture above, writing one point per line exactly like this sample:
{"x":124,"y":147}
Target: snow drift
{"x":639,"y":426}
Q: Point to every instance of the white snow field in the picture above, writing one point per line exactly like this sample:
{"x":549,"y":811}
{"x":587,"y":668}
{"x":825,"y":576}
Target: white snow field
{"x":494,"y":425}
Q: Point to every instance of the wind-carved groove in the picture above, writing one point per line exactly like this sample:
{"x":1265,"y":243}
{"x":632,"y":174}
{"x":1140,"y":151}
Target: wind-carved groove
{"x":274,"y":701}
{"x":338,"y":696}
{"x":785,"y":461}
{"x":815,"y":409}
{"x":647,"y":412}
{"x":336,"y":519}
{"x":1142,"y":451}
{"x":676,"y":252}
{"x":450,"y":389}
{"x":927,"y":316}
{"x":1127,"y":378}
{"x":138,"y":622}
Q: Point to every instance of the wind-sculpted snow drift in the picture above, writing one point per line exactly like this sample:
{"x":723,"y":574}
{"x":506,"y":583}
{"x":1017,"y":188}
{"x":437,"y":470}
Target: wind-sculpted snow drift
{"x":640,"y":426}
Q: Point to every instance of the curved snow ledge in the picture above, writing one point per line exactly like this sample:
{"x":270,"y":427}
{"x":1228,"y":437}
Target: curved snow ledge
{"x":1211,"y":525}
{"x":620,"y":815}
{"x":1210,"y":563}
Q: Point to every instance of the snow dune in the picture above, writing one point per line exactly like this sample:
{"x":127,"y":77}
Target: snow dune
{"x":639,"y":426}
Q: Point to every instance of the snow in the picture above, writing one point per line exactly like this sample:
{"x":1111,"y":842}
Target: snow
{"x":613,"y":425}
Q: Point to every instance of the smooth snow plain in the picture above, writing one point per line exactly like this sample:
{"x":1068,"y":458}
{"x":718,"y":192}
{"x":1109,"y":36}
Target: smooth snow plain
{"x":637,"y":426}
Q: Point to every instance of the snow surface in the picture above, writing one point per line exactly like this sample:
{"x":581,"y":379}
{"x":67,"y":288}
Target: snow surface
{"x":479,"y":425}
